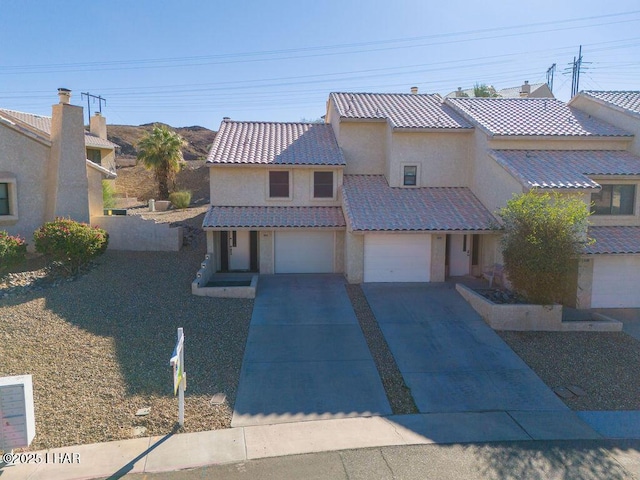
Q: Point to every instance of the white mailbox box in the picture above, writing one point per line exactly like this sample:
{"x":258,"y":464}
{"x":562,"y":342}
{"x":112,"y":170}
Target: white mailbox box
{"x":17,"y":419}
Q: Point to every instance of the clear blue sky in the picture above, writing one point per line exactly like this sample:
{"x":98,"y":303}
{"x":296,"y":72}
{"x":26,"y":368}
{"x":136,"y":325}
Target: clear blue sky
{"x":193,"y":62}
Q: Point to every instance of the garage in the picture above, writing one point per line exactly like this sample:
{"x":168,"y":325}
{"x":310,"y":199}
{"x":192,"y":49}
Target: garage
{"x":304,"y":251}
{"x":397,"y":257}
{"x":616,"y":281}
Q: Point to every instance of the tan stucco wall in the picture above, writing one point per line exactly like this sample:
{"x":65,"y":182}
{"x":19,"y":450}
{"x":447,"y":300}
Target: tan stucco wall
{"x":443,"y":159}
{"x":339,"y":251}
{"x":67,"y":184}
{"x":265,"y":252}
{"x":491,"y":183}
{"x":95,"y":192}
{"x":249,"y":186}
{"x":26,"y":160}
{"x":364,"y":147}
{"x":438,"y":257}
{"x":585,"y":282}
{"x":626,"y":121}
{"x":133,"y":232}
{"x":354,"y":257}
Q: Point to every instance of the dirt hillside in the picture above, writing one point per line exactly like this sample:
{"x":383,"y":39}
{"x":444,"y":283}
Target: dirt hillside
{"x":138,"y":183}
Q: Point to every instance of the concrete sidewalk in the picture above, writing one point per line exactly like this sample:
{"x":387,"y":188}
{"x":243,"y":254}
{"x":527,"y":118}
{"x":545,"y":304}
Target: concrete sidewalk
{"x":193,"y":450}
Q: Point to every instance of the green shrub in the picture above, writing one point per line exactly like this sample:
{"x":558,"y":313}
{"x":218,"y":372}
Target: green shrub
{"x":544,"y":235}
{"x":180,"y":199}
{"x":13,"y":251}
{"x":108,"y":194}
{"x":70,"y":243}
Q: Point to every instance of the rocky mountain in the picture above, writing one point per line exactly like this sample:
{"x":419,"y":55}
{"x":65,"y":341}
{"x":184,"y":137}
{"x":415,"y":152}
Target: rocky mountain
{"x":199,"y":139}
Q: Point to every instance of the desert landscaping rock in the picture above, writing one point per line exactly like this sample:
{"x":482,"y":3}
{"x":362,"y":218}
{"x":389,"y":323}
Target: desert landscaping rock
{"x":398,"y":394}
{"x":606,"y":365}
{"x":99,"y":347}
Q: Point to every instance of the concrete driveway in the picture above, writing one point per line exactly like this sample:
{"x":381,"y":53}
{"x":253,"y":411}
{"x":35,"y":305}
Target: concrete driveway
{"x":306,"y":357}
{"x":448,"y":356}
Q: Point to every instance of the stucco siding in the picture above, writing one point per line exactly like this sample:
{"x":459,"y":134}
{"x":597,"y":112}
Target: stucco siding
{"x":25,"y":159}
{"x":491,"y":183}
{"x":95,"y":192}
{"x":442,"y":158}
{"x":241,"y":186}
{"x":363,"y":147}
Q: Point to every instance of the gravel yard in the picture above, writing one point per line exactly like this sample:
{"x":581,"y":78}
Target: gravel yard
{"x":98,"y":347}
{"x":606,"y":366}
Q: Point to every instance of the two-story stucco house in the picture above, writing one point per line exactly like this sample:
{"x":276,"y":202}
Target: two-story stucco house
{"x":402,"y":188}
{"x":44,"y":169}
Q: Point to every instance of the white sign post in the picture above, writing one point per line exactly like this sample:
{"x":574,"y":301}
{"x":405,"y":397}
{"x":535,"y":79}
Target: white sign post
{"x":179,"y":377}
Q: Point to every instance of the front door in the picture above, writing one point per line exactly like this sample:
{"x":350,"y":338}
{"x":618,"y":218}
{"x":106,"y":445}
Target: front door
{"x":239,"y":250}
{"x":459,"y":254}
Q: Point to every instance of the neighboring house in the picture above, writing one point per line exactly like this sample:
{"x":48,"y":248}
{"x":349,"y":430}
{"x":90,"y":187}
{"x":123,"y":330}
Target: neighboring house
{"x":44,"y":169}
{"x":402,"y":188}
{"x":536,"y":90}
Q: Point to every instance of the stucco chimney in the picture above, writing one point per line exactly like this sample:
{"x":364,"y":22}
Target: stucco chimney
{"x":98,"y":125}
{"x":67,"y":184}
{"x":64,"y":94}
{"x":525,"y":90}
{"x":414,"y":90}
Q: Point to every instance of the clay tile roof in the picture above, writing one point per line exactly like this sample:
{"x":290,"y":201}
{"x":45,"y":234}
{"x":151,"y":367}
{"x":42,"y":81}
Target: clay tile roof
{"x":533,"y":117}
{"x":42,"y":124}
{"x":614,"y":240}
{"x":626,"y":100}
{"x":273,"y":217}
{"x":401,"y":110}
{"x":273,"y":143}
{"x":371,"y":205}
{"x":565,"y":169}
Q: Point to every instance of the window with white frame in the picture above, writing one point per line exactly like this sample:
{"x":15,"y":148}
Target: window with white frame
{"x":410,"y":175}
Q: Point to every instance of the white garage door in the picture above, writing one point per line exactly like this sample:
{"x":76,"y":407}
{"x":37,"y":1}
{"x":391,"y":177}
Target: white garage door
{"x":397,"y":257}
{"x":304,"y":252}
{"x":616,"y":282}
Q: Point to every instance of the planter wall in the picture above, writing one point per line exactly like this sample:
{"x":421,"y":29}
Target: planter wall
{"x":519,"y":317}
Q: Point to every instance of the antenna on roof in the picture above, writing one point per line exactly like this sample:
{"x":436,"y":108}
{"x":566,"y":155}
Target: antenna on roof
{"x":95,"y":97}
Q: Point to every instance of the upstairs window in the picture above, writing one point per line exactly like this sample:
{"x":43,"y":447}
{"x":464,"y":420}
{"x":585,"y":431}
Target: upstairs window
{"x":410,"y":176}
{"x":94,"y":155}
{"x":614,"y":200}
{"x":4,"y":199}
{"x":322,"y":184}
{"x":279,"y":184}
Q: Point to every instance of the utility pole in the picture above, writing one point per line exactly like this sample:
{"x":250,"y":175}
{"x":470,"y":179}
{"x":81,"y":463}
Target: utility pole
{"x":550,"y":72}
{"x":576,"y":67}
{"x":95,"y":97}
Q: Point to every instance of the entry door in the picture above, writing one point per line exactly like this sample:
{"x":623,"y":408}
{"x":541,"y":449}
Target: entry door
{"x":459,"y":255}
{"x":239,"y":250}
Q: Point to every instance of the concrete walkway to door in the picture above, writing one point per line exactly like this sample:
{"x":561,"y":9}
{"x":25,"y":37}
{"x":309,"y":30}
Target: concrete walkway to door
{"x":306,"y":357}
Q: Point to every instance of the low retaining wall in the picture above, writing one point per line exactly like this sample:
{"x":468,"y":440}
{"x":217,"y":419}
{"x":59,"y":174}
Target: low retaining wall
{"x":206,"y":273}
{"x":525,"y":317}
{"x":133,"y":232}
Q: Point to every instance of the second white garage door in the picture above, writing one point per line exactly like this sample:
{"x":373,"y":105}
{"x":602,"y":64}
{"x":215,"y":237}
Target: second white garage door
{"x":304,"y":252}
{"x":397,"y":257}
{"x":616,"y":281}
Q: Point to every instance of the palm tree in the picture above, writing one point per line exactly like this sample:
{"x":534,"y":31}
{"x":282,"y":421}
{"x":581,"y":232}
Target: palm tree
{"x":161,"y":150}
